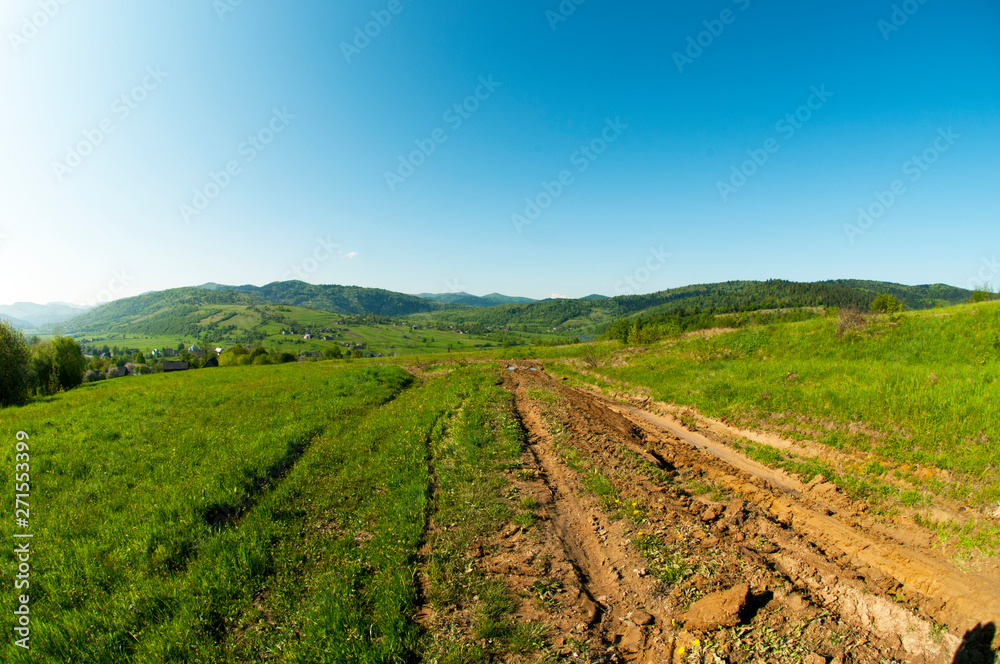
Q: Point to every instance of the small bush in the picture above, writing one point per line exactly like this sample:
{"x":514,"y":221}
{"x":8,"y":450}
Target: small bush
{"x":850,"y":320}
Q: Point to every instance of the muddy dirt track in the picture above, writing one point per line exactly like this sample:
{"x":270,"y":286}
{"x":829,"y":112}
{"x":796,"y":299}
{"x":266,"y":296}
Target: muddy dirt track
{"x":659,"y":544}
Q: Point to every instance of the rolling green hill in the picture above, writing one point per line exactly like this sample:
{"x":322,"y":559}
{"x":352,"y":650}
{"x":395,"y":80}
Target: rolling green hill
{"x":592,"y":316}
{"x":490,"y":300}
{"x":250,"y":314}
{"x":338,"y":299}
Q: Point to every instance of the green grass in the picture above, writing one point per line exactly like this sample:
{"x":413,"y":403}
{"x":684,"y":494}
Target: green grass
{"x":247,"y":514}
{"x":926,"y":387}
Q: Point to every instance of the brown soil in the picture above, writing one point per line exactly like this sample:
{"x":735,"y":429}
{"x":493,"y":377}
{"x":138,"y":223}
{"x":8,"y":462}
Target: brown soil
{"x":639,"y":518}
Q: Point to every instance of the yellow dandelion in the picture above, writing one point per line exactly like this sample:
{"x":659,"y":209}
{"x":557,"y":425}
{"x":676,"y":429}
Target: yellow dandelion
{"x":640,"y":533}
{"x":635,"y":511}
{"x":696,"y":643}
{"x":681,"y":650}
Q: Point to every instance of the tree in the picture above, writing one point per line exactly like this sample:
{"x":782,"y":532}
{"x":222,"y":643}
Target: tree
{"x":333,"y":353}
{"x":286,"y":357}
{"x":140,"y":358}
{"x":69,"y":362}
{"x":885,"y":304}
{"x":981,"y":294}
{"x":14,"y":357}
{"x":43,"y":378}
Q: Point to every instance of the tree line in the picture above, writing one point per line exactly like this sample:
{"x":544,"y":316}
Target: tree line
{"x":36,"y":368}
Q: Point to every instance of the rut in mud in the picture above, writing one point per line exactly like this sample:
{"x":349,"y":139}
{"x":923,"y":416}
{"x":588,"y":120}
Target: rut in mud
{"x":638,"y":520}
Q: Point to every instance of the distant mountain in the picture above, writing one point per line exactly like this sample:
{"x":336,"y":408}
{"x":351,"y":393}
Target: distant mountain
{"x":595,"y":296}
{"x":593,"y":315}
{"x":189,"y":311}
{"x":37,"y":315}
{"x":177,"y":311}
{"x":17,"y":322}
{"x":337,"y":299}
{"x":491,"y":300}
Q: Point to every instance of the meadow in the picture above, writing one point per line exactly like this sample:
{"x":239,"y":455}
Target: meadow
{"x":252,"y":513}
{"x":915,"y":397}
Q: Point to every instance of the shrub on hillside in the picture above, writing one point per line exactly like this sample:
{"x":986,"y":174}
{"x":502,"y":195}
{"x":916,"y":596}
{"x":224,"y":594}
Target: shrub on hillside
{"x":92,"y":376}
{"x":850,"y":320}
{"x":885,"y":304}
{"x":14,"y":358}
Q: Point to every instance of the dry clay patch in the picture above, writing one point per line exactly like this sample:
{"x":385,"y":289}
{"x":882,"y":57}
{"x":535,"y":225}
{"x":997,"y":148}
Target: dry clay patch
{"x":816,"y":595}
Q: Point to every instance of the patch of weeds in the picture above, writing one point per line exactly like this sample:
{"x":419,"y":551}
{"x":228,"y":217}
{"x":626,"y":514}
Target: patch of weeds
{"x":874,"y":468}
{"x":526,"y":638}
{"x":602,"y":487}
{"x":525,"y":519}
{"x":663,"y":561}
{"x":697,"y":487}
{"x":571,"y":457}
{"x":912,"y":498}
{"x":527,"y":474}
{"x":546,"y":590}
{"x":529,"y":503}
{"x":719,"y":495}
{"x":982,"y":537}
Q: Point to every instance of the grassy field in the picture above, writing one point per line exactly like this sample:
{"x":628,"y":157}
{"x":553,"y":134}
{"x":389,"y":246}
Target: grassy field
{"x":915,"y":393}
{"x":253,"y":513}
{"x":380,"y":338}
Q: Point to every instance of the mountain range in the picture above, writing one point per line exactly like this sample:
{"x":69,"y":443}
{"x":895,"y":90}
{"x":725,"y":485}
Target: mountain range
{"x":183,"y":310}
{"x":29,"y":315}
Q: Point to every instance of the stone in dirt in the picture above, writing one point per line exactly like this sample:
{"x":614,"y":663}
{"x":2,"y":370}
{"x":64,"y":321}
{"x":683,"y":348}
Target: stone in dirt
{"x":633,"y":640}
{"x":641,"y":618}
{"x":719,"y":609}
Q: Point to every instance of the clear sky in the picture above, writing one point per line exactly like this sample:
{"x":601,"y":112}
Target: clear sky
{"x":531,"y":148}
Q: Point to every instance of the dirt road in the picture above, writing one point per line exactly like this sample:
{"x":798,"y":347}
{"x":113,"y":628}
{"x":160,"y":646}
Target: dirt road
{"x":655,"y":543}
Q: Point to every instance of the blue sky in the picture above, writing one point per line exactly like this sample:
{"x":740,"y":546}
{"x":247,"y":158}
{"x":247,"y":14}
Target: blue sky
{"x":530,"y":148}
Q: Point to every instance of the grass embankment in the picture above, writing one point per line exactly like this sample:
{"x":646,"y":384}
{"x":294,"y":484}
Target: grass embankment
{"x":916,"y":399}
{"x":243,"y":514}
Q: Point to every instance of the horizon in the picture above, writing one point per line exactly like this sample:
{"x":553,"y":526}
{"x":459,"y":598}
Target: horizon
{"x":548,"y":151}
